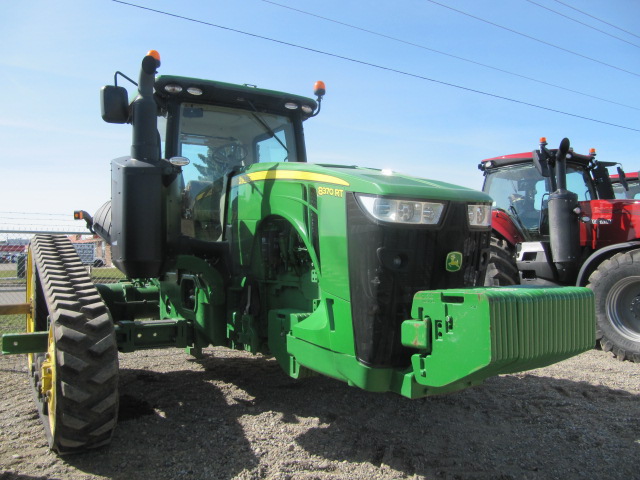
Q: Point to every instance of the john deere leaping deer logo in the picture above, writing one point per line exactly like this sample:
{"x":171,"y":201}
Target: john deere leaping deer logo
{"x":454,"y":262}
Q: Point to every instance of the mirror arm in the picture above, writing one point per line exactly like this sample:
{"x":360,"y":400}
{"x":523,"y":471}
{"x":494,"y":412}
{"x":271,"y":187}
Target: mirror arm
{"x":115,"y":78}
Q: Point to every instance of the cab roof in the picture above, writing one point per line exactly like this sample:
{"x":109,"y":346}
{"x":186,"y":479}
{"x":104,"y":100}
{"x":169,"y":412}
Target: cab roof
{"x":230,"y":94}
{"x":629,"y":175}
{"x":526,"y":157}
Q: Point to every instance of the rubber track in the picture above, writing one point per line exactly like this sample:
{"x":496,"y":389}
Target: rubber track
{"x":86,"y":349}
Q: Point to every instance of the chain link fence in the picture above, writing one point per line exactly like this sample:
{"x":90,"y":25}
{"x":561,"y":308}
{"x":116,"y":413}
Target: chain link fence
{"x":93,"y":252}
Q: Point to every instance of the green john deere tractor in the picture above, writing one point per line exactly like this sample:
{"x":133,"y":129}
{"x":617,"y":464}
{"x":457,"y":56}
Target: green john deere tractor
{"x":228,"y":237}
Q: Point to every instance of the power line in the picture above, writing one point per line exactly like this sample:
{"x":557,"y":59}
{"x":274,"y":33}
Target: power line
{"x":596,"y":18}
{"x":533,"y":38}
{"x":582,"y":23}
{"x":373,"y":65}
{"x":355,"y":27}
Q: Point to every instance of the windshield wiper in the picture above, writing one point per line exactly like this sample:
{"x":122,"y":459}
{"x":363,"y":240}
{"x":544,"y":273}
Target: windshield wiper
{"x":265,"y":126}
{"x":514,"y":214}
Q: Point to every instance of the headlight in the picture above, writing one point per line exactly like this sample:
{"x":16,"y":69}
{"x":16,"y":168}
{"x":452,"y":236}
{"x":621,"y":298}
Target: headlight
{"x":479,"y":215}
{"x":401,"y":210}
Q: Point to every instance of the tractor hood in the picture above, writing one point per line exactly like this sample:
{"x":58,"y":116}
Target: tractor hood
{"x":363,"y":180}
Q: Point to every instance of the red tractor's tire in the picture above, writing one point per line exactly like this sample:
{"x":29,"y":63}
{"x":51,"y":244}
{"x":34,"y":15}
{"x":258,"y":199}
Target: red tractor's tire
{"x":501,"y":268}
{"x":616,"y":285}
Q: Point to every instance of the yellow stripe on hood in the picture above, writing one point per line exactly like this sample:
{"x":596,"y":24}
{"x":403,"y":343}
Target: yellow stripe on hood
{"x":289,"y":175}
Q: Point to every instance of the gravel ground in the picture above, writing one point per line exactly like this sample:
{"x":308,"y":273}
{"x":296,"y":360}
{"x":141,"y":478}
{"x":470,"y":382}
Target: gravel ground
{"x":234,"y":415}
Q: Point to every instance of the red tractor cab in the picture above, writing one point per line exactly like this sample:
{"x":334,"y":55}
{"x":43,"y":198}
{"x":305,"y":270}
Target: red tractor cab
{"x":556,"y":221}
{"x":632,"y":189}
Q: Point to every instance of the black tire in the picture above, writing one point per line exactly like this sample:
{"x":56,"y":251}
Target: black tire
{"x":76,"y":381}
{"x":501,"y":268}
{"x":616,"y":285}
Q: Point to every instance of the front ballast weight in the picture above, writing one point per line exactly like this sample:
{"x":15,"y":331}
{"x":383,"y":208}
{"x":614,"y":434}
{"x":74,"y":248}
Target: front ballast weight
{"x":465,"y":336}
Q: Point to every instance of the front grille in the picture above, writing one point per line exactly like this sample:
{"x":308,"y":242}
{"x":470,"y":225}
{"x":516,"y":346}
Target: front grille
{"x":389,"y":263}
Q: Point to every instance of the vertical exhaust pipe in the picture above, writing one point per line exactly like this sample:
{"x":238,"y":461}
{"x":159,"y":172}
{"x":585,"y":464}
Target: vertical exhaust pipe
{"x":564,"y":226}
{"x":144,"y":113}
{"x":138,"y":230}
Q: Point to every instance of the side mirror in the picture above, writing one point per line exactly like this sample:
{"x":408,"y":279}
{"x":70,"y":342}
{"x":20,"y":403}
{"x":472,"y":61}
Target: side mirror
{"x":114,"y":104}
{"x":541,"y":163}
{"x":623,"y":179}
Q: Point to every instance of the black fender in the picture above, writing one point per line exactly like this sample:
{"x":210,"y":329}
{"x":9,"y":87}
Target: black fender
{"x":599,"y":256}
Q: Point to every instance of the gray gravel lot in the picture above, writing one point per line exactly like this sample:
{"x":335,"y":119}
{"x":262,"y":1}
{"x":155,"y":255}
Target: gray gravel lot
{"x":234,"y":415}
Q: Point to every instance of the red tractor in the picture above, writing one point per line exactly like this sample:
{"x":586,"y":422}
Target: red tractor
{"x":556,"y":221}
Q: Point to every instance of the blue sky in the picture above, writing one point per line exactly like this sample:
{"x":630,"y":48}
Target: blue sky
{"x":55,"y":56}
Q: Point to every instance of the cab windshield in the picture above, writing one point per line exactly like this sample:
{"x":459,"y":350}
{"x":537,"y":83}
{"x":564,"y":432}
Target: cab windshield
{"x":523,"y":193}
{"x":219,"y":141}
{"x":633,"y":193}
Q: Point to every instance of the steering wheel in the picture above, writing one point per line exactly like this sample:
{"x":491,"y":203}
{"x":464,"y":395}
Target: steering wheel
{"x":233,"y":152}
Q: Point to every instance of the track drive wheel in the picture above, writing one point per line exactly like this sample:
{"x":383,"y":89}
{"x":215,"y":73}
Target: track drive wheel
{"x":501,"y":268}
{"x":616,"y":285}
{"x":75,"y":383}
{"x":37,"y":316}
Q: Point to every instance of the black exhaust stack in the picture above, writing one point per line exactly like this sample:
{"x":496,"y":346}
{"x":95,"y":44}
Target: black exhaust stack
{"x":138,"y":225}
{"x":564,"y":227}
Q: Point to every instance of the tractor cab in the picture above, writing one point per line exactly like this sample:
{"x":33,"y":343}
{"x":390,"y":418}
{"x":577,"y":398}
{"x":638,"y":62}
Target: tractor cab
{"x":549,"y":208}
{"x":520,"y":185}
{"x":521,"y":191}
{"x":191,"y":137}
{"x":215,"y":131}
